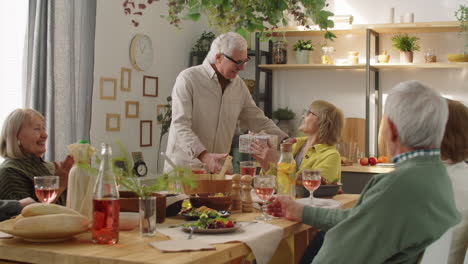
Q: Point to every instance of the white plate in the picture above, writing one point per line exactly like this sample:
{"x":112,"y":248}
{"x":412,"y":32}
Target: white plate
{"x":322,"y":203}
{"x":389,"y":165}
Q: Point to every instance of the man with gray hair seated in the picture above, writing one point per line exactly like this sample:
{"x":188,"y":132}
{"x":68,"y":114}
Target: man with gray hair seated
{"x":207,"y":102}
{"x":399,"y":213}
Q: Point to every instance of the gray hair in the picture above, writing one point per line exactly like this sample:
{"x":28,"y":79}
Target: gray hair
{"x":9,"y":147}
{"x":226,"y":43}
{"x":419,"y":114}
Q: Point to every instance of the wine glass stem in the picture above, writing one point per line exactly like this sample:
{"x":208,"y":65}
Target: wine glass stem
{"x":264,"y":213}
{"x":311,"y":196}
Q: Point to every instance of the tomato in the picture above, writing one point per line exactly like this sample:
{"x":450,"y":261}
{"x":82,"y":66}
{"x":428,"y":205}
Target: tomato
{"x":229,"y":224}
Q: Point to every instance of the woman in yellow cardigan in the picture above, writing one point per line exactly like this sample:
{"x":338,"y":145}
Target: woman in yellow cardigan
{"x":322,"y":125}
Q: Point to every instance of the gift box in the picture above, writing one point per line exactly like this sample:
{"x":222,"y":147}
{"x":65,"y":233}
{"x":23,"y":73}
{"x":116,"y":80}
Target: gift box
{"x":245,"y":141}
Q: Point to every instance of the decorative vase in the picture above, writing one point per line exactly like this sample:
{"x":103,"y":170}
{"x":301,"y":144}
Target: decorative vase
{"x":286,"y":126}
{"x":147,"y":210}
{"x":406,"y":57}
{"x":302,"y":56}
{"x":280,"y":54}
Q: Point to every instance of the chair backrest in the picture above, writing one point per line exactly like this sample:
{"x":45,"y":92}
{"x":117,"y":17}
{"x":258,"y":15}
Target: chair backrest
{"x":438,"y":252}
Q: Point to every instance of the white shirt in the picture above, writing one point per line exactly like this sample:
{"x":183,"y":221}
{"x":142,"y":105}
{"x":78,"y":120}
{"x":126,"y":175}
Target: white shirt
{"x":458,"y":173}
{"x":205,"y":118}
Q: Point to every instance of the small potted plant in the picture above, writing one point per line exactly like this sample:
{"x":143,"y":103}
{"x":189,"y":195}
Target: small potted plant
{"x":303,"y":49}
{"x":284,"y":117}
{"x":202,"y":46}
{"x":462,"y":16}
{"x":406,"y":45}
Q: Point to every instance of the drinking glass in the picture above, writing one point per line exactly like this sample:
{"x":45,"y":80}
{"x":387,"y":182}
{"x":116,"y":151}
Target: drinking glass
{"x":198,"y":168}
{"x":46,"y":188}
{"x":248,"y":168}
{"x":264,"y":188}
{"x":311,"y":181}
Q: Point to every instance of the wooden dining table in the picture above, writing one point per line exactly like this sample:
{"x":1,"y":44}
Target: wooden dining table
{"x":133,"y":248}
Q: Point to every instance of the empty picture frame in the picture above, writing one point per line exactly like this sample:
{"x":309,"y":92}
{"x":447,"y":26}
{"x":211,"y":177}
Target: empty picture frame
{"x":132,"y":109}
{"x":150,"y":86}
{"x":146,"y":133}
{"x":137,"y":156}
{"x":108,"y":88}
{"x":125,"y":79}
{"x":112,"y":122}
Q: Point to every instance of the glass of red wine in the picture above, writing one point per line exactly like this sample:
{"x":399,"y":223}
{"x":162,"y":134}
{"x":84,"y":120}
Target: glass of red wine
{"x":198,"y":168}
{"x":248,"y":168}
{"x":311,"y":180}
{"x":46,"y":188}
{"x":264,"y":188}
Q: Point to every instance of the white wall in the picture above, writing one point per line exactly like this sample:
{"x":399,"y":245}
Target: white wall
{"x":114,"y":32}
{"x":346,"y":89}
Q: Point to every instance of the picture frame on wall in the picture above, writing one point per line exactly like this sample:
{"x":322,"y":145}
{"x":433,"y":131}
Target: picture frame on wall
{"x":137,"y":156}
{"x":108,"y":88}
{"x":146,"y":133}
{"x":112,"y":122}
{"x":132,"y":109}
{"x":150,"y":86}
{"x":125,"y":79}
{"x":159,"y":109}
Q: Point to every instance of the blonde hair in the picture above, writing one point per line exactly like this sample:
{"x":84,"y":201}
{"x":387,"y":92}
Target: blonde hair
{"x":9,"y":146}
{"x":331,"y":121}
{"x":455,"y":141}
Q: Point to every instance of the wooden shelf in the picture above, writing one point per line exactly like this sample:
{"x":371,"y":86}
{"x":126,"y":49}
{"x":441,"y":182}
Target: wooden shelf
{"x":420,"y":27}
{"x":437,"y":65}
{"x":381,"y":66}
{"x":312,"y":67}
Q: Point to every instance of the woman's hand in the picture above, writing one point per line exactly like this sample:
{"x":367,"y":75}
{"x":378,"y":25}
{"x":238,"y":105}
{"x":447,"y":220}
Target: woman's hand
{"x":63,"y":169}
{"x":264,"y":153}
{"x":285,"y":206}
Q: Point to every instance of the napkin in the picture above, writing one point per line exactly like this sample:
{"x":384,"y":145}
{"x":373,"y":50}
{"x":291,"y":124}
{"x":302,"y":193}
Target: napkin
{"x":318,"y":202}
{"x":5,"y":235}
{"x":262,"y":238}
{"x":181,"y":245}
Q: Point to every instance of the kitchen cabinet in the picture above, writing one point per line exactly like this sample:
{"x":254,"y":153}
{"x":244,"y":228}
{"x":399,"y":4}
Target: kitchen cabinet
{"x":369,"y":69}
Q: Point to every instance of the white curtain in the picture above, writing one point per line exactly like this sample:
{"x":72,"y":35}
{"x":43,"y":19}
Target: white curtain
{"x":58,"y":69}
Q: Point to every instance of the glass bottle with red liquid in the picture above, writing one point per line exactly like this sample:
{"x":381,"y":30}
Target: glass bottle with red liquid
{"x":106,"y":202}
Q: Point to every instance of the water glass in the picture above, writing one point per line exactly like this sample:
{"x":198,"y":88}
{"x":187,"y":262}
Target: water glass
{"x":46,"y":188}
{"x":248,"y":168}
{"x":147,"y":206}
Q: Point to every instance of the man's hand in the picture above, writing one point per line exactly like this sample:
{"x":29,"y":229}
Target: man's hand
{"x":264,"y":153}
{"x":213,"y":161}
{"x":285,"y":206}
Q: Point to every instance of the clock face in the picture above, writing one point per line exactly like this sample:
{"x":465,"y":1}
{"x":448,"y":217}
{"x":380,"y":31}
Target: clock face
{"x":142,"y":169}
{"x":141,"y":52}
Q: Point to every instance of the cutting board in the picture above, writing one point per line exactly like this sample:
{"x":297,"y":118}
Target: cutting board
{"x":355,"y":131}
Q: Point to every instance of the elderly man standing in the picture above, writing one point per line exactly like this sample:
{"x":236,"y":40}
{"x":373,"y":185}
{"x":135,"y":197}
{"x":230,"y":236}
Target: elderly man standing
{"x":400,"y":213}
{"x":208,"y":100}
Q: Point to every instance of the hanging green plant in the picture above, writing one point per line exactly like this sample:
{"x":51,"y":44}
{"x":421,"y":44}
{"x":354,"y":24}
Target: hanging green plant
{"x":204,"y":42}
{"x":245,"y":16}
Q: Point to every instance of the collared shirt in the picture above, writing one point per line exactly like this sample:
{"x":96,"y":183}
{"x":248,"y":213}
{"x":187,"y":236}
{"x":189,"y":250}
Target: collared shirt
{"x":416,"y":153}
{"x":205,"y":118}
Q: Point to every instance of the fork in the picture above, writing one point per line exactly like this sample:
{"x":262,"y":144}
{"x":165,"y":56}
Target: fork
{"x":191,"y":232}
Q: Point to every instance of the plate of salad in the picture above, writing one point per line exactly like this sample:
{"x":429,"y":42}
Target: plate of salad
{"x":195,"y":213}
{"x":211,"y":225}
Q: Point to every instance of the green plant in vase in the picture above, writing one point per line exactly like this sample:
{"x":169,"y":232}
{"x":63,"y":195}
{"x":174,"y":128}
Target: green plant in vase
{"x":303,"y":49}
{"x":284,"y":117}
{"x":407,"y":45}
{"x":462,"y":16}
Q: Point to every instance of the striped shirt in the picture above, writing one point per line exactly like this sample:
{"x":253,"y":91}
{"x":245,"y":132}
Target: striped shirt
{"x":416,"y":153}
{"x":17,"y":177}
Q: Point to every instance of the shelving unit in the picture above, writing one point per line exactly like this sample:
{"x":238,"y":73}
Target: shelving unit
{"x":372,"y":33}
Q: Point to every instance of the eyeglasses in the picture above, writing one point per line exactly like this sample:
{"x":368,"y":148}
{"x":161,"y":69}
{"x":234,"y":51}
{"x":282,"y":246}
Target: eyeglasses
{"x":307,"y":112}
{"x":238,"y":63}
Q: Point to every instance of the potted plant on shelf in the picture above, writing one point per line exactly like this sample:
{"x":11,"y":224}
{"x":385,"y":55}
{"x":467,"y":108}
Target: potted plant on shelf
{"x":462,"y":16}
{"x":202,"y":46}
{"x":406,"y":45}
{"x":303,"y":49}
{"x":284,"y":117}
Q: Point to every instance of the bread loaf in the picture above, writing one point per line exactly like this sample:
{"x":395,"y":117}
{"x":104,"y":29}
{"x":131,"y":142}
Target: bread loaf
{"x":46,"y":209}
{"x":54,"y":225}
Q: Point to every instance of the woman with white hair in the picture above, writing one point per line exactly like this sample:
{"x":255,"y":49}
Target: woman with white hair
{"x":22,"y":144}
{"x":207,"y":102}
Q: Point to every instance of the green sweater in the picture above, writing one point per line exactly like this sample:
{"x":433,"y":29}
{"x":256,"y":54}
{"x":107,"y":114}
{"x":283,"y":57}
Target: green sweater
{"x":17,"y":177}
{"x":397,"y":216}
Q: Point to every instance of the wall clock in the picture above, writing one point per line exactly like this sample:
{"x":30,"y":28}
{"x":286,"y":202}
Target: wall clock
{"x":141,"y":52}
